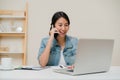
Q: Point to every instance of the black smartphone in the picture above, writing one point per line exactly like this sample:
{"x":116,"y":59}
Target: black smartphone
{"x":56,"y":34}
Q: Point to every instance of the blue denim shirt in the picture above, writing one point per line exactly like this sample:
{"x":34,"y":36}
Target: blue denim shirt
{"x":69,"y":51}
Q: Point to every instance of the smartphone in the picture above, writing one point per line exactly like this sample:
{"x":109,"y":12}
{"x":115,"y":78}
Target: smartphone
{"x":56,"y":34}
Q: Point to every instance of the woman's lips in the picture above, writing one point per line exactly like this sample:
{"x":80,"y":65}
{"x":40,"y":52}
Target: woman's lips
{"x":62,"y":33}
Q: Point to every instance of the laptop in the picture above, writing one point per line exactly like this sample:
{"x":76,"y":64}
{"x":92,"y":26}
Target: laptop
{"x":93,"y":56}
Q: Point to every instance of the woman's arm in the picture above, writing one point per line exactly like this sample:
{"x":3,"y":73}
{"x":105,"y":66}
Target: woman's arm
{"x":45,"y":55}
{"x":43,"y":60}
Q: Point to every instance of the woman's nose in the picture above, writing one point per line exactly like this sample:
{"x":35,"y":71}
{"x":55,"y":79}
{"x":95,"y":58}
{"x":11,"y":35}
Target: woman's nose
{"x":63,"y":28}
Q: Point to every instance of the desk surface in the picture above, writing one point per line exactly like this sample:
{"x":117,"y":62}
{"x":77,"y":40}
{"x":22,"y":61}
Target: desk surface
{"x":48,"y":74}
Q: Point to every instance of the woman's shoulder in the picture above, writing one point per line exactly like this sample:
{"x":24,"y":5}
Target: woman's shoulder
{"x":72,"y":38}
{"x":45,"y":39}
{"x":73,"y":41}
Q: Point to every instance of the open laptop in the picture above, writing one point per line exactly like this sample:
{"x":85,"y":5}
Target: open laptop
{"x":93,"y":56}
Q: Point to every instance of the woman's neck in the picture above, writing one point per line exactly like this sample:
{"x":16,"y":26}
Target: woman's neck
{"x":61,"y":41}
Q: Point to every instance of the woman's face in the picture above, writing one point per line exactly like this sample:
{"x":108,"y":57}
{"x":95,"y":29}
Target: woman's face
{"x":62,"y":26}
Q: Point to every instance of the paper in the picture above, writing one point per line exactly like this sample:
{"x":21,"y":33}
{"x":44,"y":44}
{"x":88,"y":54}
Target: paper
{"x":31,"y":68}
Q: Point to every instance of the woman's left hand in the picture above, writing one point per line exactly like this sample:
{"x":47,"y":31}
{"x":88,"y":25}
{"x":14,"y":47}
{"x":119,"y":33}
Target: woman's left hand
{"x":70,"y":67}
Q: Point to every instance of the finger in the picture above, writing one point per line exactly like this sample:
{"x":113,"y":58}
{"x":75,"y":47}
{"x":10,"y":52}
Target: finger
{"x":70,"y":67}
{"x":56,"y":31}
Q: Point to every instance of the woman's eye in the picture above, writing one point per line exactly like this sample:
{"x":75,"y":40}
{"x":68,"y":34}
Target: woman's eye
{"x":66,"y":25}
{"x":60,"y":25}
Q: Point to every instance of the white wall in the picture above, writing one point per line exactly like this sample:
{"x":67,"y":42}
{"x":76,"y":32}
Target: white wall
{"x":89,"y":19}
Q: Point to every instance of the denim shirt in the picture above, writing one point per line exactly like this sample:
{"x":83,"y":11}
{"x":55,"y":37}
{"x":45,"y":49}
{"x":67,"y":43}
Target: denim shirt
{"x":69,"y":51}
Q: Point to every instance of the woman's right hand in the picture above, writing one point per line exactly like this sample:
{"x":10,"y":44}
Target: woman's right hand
{"x":53,"y":31}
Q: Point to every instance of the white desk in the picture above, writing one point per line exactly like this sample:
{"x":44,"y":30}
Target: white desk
{"x":48,"y":74}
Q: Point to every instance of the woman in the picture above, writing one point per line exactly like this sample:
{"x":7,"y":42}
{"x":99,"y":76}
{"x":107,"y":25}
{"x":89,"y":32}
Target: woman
{"x":58,"y":48}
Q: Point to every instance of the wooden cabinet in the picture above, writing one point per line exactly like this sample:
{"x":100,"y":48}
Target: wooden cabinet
{"x":13,"y":34}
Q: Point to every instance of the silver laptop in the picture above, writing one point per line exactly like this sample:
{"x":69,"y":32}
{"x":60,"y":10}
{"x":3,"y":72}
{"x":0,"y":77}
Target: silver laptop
{"x":93,"y":56}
